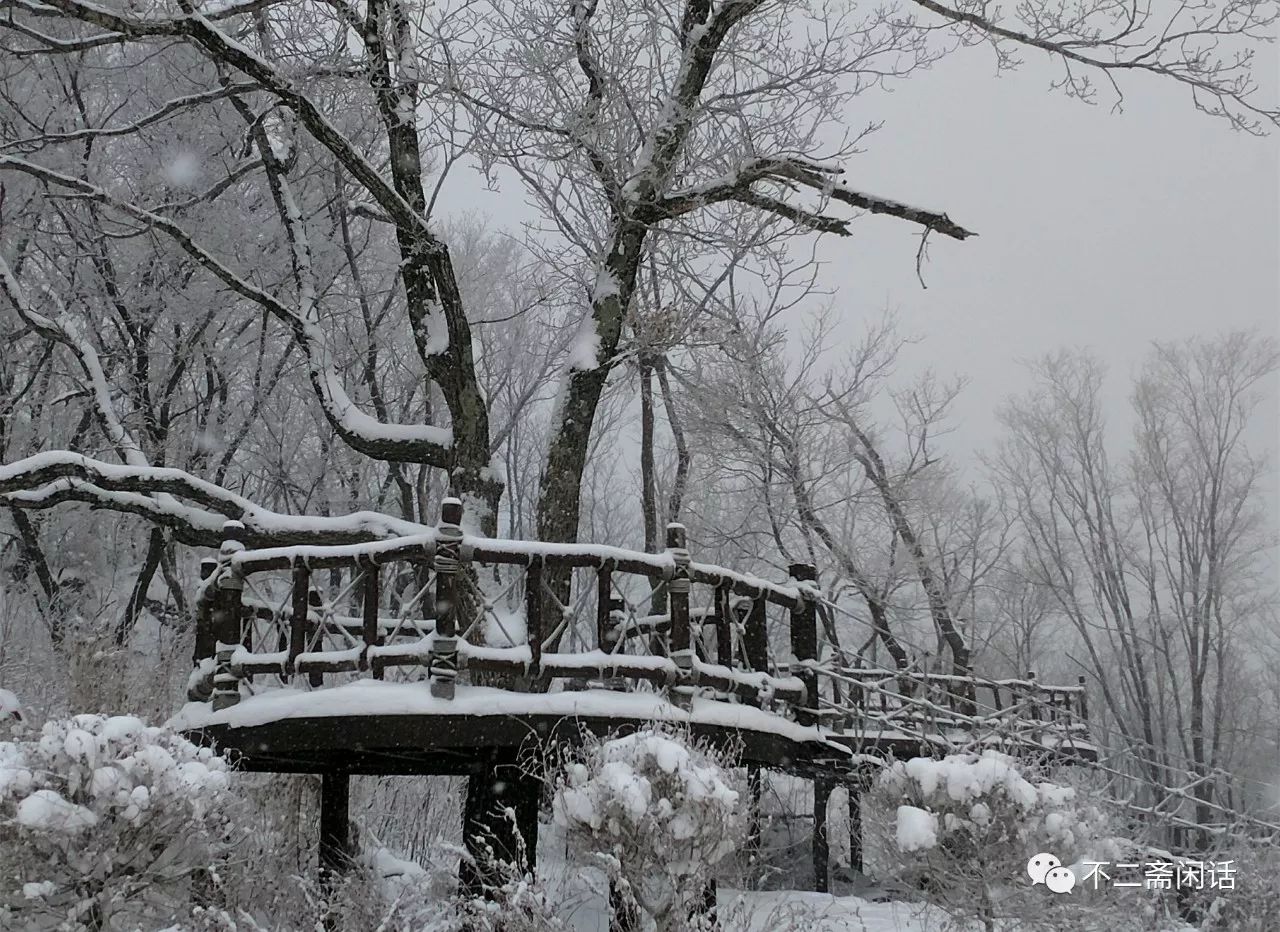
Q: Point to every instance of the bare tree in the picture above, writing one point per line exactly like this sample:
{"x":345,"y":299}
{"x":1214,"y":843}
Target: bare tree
{"x":1154,"y":562}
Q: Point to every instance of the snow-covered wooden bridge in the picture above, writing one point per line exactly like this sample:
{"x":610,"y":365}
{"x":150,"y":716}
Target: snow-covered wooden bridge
{"x":416,"y":662}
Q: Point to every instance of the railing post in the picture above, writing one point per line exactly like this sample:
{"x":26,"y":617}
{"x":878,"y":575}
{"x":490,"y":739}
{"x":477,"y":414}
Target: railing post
{"x":369,"y":617}
{"x":299,"y":606}
{"x":226,"y":616}
{"x":1033,"y":704}
{"x":206,"y":638}
{"x":755,"y":635}
{"x":608,"y":634}
{"x":605,"y":635}
{"x":821,"y":844}
{"x":315,"y":632}
{"x":804,"y":638}
{"x":533,"y":626}
{"x":335,"y":828}
{"x":678,"y":600}
{"x":448,"y":562}
{"x":724,"y":625}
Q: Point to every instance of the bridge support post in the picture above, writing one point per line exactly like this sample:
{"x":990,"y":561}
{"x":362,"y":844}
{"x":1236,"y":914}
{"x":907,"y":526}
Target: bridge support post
{"x":856,"y":788}
{"x":623,"y":914}
{"x":503,"y":782}
{"x":703,"y":914}
{"x":335,"y":827}
{"x":821,"y":845}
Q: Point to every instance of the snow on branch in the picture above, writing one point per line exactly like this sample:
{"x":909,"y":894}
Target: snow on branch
{"x":66,"y":330}
{"x":198,"y":25}
{"x":364,"y":433}
{"x":791,"y":171}
{"x":193,"y":508}
{"x":168,"y":109}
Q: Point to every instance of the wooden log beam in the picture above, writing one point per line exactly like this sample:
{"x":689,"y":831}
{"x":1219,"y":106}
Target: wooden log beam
{"x":552,"y":666}
{"x":420,"y":549}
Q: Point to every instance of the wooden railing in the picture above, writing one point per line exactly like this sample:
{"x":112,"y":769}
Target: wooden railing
{"x":433,"y":605}
{"x":262,"y":614}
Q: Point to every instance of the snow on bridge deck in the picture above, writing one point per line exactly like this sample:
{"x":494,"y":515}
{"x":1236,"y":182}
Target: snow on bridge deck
{"x":378,"y":727}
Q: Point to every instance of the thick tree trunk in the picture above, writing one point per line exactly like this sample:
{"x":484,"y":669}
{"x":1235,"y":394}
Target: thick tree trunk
{"x":560,"y":496}
{"x":648,"y":484}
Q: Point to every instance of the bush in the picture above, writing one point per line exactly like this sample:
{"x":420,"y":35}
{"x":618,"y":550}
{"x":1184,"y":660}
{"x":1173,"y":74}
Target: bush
{"x":656,"y":811}
{"x":104,"y":821}
{"x":967,"y":824}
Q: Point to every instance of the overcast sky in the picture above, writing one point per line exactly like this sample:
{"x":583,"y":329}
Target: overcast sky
{"x":1096,"y":228}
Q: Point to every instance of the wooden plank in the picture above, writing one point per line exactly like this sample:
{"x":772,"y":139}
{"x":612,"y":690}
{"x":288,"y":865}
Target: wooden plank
{"x":421,"y":550}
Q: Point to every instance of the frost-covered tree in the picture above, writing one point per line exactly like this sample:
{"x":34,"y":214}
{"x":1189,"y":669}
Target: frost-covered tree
{"x":103,"y":823}
{"x":1157,"y":554}
{"x":287,"y":157}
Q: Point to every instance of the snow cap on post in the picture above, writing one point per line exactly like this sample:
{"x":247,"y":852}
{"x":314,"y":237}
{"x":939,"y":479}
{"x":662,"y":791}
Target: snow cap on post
{"x":233,"y":537}
{"x":803,"y":572}
{"x":676,"y":536}
{"x":451,"y":511}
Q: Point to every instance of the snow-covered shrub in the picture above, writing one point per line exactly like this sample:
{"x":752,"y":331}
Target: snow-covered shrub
{"x":1253,"y":903}
{"x":385,"y":892}
{"x":967,"y":824}
{"x":103,"y":821}
{"x":656,"y":811}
